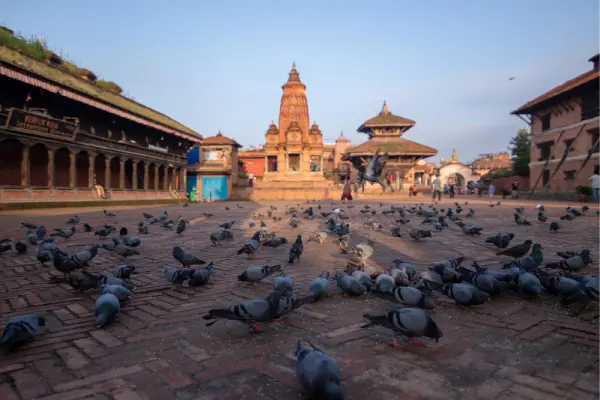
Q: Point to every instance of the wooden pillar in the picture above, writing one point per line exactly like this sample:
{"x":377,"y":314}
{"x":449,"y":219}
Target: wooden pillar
{"x":174,"y":179}
{"x":91,"y":165}
{"x":122,"y":174}
{"x":184,"y":180}
{"x":107,"y":172}
{"x":134,"y":164}
{"x":50,"y":167}
{"x":166,"y":178}
{"x":25,"y":168}
{"x":72,"y":176}
{"x":155,"y":177}
{"x":146,"y":176}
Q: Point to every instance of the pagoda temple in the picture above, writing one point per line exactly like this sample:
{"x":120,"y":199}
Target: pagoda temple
{"x":293,"y":151}
{"x":385,"y":132}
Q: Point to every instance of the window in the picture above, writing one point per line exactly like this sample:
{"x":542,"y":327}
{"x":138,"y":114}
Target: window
{"x":570,"y":175}
{"x":545,"y":150}
{"x":271,"y":163}
{"x":294,"y":162}
{"x":545,"y":177}
{"x":569,"y":145}
{"x":545,"y":122}
{"x":594,"y":133}
{"x":590,"y":104}
{"x":315,"y":163}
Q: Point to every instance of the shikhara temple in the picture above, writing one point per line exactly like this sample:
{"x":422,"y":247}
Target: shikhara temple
{"x":67,"y":135}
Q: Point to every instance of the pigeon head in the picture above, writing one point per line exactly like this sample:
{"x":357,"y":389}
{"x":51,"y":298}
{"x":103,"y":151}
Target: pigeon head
{"x":537,"y":246}
{"x":101,"y":320}
{"x":511,"y":236}
{"x":528,"y":241}
{"x":428,"y":303}
{"x":426,"y":234}
{"x":433,"y":331}
{"x":585,"y":254}
{"x":243,"y":277}
{"x":123,"y":231}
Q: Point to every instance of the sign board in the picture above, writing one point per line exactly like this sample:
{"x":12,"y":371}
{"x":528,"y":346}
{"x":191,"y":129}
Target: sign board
{"x":211,"y":155}
{"x":158,"y":148}
{"x":24,"y":121}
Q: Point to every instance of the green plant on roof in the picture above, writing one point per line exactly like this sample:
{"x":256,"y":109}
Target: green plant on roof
{"x":31,"y":47}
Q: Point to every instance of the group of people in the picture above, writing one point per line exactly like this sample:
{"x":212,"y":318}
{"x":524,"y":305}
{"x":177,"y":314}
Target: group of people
{"x":437,"y":190}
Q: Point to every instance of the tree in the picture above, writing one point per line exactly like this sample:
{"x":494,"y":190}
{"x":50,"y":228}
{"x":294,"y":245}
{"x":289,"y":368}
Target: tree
{"x":520,"y":150}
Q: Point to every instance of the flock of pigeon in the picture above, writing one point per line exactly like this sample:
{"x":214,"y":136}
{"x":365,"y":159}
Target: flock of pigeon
{"x":413,"y":292}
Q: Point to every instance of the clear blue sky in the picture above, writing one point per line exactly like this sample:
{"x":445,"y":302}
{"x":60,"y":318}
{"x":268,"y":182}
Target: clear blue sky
{"x":220,"y":65}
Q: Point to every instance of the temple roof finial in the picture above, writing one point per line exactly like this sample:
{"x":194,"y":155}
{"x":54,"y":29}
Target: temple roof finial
{"x":384,"y":109}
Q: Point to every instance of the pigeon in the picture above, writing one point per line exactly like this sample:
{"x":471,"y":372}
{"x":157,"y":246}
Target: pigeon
{"x":447,"y":270}
{"x":64,"y":265}
{"x":569,"y":254}
{"x":554,"y":226}
{"x":396,"y":231}
{"x":385,"y":281}
{"x":31,"y":237}
{"x":407,"y":322}
{"x":517,"y":251}
{"x":542,"y":217}
{"x":142,"y":228}
{"x":520,"y":219}
{"x":465,"y":294}
{"x":218,"y":237}
{"x":44,"y":256}
{"x":106,"y":309}
{"x":64,"y":233}
{"x":123,"y":232}
{"x":250,"y":312}
{"x":109,"y":213}
{"x":110,"y":246}
{"x":178,"y":275}
{"x":530,"y":262}
{"x":275,"y":242}
{"x":501,"y":240}
{"x":569,"y":217}
{"x":350,"y":285}
{"x":73,"y":220}
{"x":87,"y":227}
{"x":527,"y":283}
{"x":296,"y":250}
{"x":251,"y":245}
{"x":103,"y":232}
{"x":83,"y":257}
{"x":124,"y":251}
{"x":83,"y":281}
{"x":404,"y":266}
{"x":498,"y":275}
{"x":251,"y":223}
{"x":469,"y":229}
{"x":201,"y":275}
{"x":50,"y":245}
{"x":20,"y":329}
{"x":574,"y":211}
{"x":40,"y":232}
{"x":363,"y":277}
{"x":121,"y":292}
{"x":283,"y":283}
{"x":227,"y":225}
{"x":181,"y":225}
{"x":485,"y":282}
{"x":417,"y":234}
{"x":574,"y":263}
{"x":186,"y":259}
{"x":399,"y":276}
{"x":20,"y":247}
{"x":29,"y":225}
{"x":320,"y":285}
{"x":132,"y":241}
{"x":124,"y":271}
{"x":320,"y":237}
{"x":471,"y":213}
{"x":558,"y":285}
{"x":256,"y":274}
{"x":107,"y":280}
{"x":407,"y":296}
{"x":147,"y":216}
{"x":319,"y":374}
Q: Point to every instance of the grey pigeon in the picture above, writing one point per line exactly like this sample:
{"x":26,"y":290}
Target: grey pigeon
{"x":181,"y":225}
{"x":178,"y":275}
{"x":501,"y":240}
{"x":574,"y":263}
{"x":527,"y":283}
{"x":319,"y":374}
{"x":250,"y":312}
{"x":65,"y":265}
{"x":44,"y":256}
{"x":498,"y":275}
{"x":20,"y":329}
{"x":465,"y":294}
{"x":569,"y":217}
{"x":64,"y":233}
{"x":147,"y":216}
{"x":251,"y":245}
{"x":124,"y":251}
{"x":109,"y":213}
{"x":103,"y":232}
{"x":20,"y":247}
{"x":28,"y":225}
{"x":408,"y":296}
{"x":404,"y":266}
{"x":121,"y":292}
{"x":517,"y":251}
{"x":31,"y":238}
{"x":554,"y":226}
{"x":142,"y":228}
{"x":471,"y":213}
{"x":73,"y":220}
{"x":469,"y":229}
{"x":283,"y":282}
{"x":417,"y":234}
{"x":385,"y":281}
{"x":485,"y":282}
{"x":186,"y":259}
{"x":106,"y":309}
{"x":227,"y":225}
{"x":542,"y":217}
{"x":132,"y":241}
{"x":399,"y":276}
{"x":83,"y":281}
{"x":320,"y":285}
{"x":407,"y":322}
{"x":87,"y":227}
{"x":256,"y":274}
{"x":520,"y":219}
{"x":350,"y":285}
{"x":559,"y":285}
{"x":200,"y":276}
{"x":361,"y":276}
{"x":218,"y":237}
{"x":110,"y":280}
{"x":296,"y":250}
{"x":447,"y":269}
{"x":83,"y":257}
{"x":275,"y":242}
{"x":124,"y":271}
{"x":570,"y":253}
{"x":40,"y":232}
{"x":530,"y":262}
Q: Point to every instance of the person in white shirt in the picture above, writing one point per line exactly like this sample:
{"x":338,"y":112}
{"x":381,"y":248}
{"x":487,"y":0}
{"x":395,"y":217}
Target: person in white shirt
{"x":595,"y":183}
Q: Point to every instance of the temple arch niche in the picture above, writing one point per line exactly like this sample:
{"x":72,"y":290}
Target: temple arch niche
{"x":61,"y":167}
{"x":161,"y":177}
{"x":82,"y":166}
{"x":100,"y":170}
{"x":151,"y":173}
{"x":11,"y":153}
{"x":115,"y":171}
{"x":129,"y":174}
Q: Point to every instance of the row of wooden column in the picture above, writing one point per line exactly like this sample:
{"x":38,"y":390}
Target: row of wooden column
{"x":26,"y":172}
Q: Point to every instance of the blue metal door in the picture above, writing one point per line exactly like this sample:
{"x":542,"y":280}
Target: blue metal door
{"x":192,"y":183}
{"x":215,"y":188}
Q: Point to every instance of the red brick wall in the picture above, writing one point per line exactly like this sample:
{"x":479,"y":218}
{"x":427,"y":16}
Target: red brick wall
{"x":506,"y":183}
{"x":255,"y":165}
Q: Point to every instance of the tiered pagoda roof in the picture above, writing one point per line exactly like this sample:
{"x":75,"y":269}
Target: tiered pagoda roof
{"x":385,"y":119}
{"x":220,"y":140}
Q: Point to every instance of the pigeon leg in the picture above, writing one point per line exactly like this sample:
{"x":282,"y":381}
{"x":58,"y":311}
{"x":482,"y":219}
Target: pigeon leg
{"x":254,"y":328}
{"x":394,"y":344}
{"x":416,"y":342}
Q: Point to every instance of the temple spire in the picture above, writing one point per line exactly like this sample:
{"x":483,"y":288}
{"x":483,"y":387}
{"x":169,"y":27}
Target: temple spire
{"x":294,"y":75}
{"x":384,"y":109}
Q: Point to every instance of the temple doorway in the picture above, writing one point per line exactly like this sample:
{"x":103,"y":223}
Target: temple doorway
{"x":457,"y":180}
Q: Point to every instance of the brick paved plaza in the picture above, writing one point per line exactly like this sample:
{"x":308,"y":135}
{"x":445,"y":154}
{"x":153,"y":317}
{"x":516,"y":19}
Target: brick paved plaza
{"x":160,"y":348}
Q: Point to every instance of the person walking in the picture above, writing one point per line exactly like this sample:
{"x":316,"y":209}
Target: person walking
{"x":491,"y":191}
{"x":452,"y":191}
{"x":410,"y":191}
{"x":347,"y":190}
{"x":515,"y":190}
{"x":437,"y":188}
{"x":445,"y":190}
{"x":595,"y":184}
{"x":251,"y":179}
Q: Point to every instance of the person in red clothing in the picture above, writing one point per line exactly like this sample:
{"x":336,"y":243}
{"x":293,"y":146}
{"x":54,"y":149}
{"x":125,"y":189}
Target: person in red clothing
{"x":347,"y":190}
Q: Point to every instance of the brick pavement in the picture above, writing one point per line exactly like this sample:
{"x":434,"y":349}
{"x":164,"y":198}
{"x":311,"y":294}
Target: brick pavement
{"x":160,"y":348}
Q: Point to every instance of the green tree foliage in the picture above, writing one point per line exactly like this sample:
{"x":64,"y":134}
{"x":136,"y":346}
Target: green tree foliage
{"x":520,"y":147}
